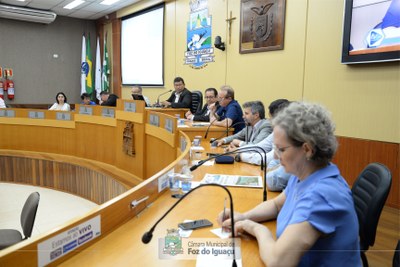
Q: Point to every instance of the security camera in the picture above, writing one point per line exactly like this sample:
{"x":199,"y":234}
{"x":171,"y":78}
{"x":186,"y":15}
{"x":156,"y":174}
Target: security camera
{"x":218,"y":43}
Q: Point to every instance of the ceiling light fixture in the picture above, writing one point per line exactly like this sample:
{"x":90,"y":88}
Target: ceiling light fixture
{"x":74,"y":4}
{"x":109,"y":2}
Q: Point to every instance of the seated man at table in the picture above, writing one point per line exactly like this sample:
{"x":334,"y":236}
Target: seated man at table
{"x":180,"y":98}
{"x":229,"y":113}
{"x":137,"y":90}
{"x":204,"y":115}
{"x":86,"y":99}
{"x":107,"y":99}
{"x":277,"y":177}
{"x":257,"y":127}
{"x":254,"y":158}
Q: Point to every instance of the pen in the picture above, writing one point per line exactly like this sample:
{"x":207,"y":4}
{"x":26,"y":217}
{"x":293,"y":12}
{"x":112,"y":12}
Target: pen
{"x":223,"y":216}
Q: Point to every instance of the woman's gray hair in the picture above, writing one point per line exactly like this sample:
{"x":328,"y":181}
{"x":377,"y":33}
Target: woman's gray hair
{"x":312,"y":124}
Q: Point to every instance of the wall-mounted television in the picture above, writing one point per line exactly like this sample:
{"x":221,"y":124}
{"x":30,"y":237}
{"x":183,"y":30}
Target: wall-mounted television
{"x":371,"y":31}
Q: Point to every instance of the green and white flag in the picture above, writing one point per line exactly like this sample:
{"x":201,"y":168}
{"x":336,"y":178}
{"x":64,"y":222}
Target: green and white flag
{"x":106,"y":68}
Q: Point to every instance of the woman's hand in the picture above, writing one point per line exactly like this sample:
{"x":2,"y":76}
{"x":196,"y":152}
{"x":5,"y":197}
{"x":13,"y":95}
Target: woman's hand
{"x":225,"y":219}
{"x":250,"y":227}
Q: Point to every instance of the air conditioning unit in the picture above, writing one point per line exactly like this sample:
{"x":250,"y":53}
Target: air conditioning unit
{"x":27,"y":14}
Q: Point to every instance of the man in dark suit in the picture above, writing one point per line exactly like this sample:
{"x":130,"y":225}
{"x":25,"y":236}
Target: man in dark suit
{"x":107,"y":99}
{"x":204,"y":115}
{"x":180,"y":98}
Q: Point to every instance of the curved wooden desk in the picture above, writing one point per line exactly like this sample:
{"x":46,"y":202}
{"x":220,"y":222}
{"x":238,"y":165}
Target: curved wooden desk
{"x":37,"y":135}
{"x":123,"y":247}
{"x":174,"y":112}
{"x":121,"y":231}
{"x":193,"y":128}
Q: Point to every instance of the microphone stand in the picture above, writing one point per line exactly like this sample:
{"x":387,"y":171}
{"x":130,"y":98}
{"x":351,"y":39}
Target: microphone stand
{"x":158,"y":98}
{"x":208,"y":128}
{"x":256,"y":149}
{"x":146,"y":238}
{"x":240,"y":122}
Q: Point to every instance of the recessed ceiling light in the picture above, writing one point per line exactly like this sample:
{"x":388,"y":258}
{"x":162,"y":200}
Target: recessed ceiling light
{"x":74,"y":4}
{"x":109,"y":2}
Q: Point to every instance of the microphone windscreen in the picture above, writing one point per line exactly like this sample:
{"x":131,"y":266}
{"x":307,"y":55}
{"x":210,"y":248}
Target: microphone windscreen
{"x":146,"y":238}
{"x":194,"y":167}
{"x":224,"y":160}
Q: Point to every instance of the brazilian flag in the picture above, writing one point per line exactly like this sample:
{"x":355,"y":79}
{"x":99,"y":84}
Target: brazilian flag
{"x":89,"y":76}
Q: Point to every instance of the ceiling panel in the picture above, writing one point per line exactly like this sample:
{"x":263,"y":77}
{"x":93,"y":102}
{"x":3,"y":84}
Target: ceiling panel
{"x":91,"y":9}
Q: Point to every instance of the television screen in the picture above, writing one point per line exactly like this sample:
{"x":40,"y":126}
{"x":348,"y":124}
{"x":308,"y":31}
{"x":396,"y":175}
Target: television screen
{"x":371,"y":31}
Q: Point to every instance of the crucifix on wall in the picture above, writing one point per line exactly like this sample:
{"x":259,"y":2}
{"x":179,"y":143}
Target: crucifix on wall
{"x":230,"y":20}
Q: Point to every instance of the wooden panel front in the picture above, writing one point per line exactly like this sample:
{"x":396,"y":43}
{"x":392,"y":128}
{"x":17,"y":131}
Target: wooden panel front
{"x":38,"y":138}
{"x":62,"y":176}
{"x":355,"y":154}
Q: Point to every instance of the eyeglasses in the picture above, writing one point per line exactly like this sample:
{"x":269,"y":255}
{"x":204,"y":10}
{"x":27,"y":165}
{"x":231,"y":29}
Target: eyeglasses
{"x":280,"y":150}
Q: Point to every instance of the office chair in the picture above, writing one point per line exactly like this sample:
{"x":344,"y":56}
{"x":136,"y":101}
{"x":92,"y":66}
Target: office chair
{"x":370,"y":192}
{"x":197,"y":101}
{"x":9,"y":237}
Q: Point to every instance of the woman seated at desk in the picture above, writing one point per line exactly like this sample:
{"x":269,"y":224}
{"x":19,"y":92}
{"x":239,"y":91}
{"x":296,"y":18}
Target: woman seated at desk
{"x":61,"y":103}
{"x":316,"y":221}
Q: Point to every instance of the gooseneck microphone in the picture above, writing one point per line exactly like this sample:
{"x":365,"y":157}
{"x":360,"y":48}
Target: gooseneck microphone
{"x":146,"y":238}
{"x":239,"y":122}
{"x":208,"y":128}
{"x":256,"y":149}
{"x":216,"y":118}
{"x":158,"y":98}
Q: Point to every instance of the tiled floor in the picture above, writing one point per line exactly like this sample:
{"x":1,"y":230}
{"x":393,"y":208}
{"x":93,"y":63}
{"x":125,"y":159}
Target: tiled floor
{"x":55,"y":207}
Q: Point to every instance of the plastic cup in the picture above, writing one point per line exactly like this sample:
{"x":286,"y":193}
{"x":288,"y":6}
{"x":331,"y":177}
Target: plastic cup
{"x":173,"y":182}
{"x":196,"y":142}
{"x":186,"y":182}
{"x":214,"y":144}
{"x":197,"y":155}
{"x":181,"y":122}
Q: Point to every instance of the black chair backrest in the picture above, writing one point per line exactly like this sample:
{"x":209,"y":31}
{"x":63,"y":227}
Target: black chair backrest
{"x":197,"y":101}
{"x":370,"y":192}
{"x":28,"y":213}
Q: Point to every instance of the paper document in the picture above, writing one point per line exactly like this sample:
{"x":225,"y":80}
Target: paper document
{"x":211,"y":261}
{"x":200,"y":124}
{"x":221,"y":234}
{"x":233,"y":180}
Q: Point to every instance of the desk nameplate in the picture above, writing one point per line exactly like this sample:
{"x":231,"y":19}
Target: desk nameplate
{"x":7,"y":113}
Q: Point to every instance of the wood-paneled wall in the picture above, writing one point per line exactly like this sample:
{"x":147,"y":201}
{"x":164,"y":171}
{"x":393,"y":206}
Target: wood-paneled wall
{"x":355,"y":154}
{"x":78,"y":180}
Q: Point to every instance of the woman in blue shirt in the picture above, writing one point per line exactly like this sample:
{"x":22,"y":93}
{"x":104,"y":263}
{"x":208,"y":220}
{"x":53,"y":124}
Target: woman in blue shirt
{"x":316,"y":221}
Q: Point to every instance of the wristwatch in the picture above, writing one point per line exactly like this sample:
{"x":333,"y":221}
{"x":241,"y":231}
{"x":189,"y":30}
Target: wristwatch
{"x":237,"y":157}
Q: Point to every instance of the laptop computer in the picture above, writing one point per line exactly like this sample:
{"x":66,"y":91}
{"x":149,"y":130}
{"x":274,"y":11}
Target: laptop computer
{"x":139,"y":97}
